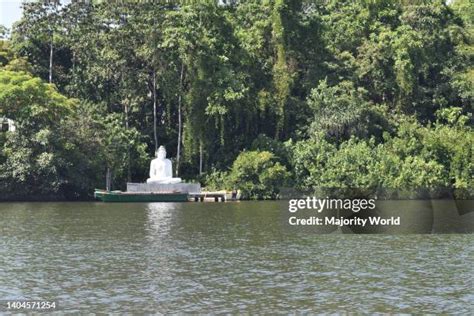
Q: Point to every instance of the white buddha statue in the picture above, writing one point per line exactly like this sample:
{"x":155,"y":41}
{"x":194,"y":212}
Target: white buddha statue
{"x":161,"y":170}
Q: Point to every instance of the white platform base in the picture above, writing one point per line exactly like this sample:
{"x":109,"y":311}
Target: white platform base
{"x":165,"y":181}
{"x":162,"y":187}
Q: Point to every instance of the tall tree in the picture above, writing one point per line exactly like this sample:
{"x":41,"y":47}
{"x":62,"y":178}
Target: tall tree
{"x":39,"y":36}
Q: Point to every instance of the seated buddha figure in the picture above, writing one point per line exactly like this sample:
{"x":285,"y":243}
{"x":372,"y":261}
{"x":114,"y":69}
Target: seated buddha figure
{"x":161,"y":170}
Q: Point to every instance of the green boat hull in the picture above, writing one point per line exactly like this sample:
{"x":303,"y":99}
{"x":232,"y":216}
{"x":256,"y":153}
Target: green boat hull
{"x":119,"y":196}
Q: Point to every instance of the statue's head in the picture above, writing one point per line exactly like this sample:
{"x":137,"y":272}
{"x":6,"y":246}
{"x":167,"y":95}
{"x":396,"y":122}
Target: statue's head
{"x":161,"y":153}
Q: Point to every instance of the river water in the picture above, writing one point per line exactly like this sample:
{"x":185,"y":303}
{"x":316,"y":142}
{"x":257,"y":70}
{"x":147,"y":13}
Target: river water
{"x":222,"y":257}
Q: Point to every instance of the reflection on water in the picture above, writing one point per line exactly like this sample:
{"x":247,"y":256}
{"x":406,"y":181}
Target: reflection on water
{"x":221,"y":257}
{"x":159,"y":217}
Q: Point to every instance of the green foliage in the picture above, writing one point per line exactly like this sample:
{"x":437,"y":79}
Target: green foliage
{"x":3,"y":32}
{"x":257,"y":175}
{"x":10,"y":61}
{"x":353,"y":166}
{"x":279,"y":149}
{"x":118,"y":142}
{"x":463,"y":79}
{"x":33,"y":161}
{"x":341,"y":111}
{"x":6,"y":53}
{"x":309,"y":159}
{"x":31,"y":102}
{"x":216,"y":180}
{"x":436,"y":158}
{"x":417,"y":158}
{"x":60,"y":148}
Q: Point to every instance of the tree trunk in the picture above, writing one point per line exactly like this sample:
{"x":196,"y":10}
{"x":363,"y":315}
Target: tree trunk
{"x":129,"y":171}
{"x":180,"y":120}
{"x":108,"y":179}
{"x":51,"y":59}
{"x":200,"y":158}
{"x":155,"y":135}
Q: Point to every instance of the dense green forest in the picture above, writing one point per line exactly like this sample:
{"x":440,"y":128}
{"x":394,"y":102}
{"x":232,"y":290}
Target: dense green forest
{"x":252,"y":95}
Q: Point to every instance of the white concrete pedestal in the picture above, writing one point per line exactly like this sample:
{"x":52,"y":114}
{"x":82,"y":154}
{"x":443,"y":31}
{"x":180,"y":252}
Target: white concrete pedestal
{"x":164,"y":187}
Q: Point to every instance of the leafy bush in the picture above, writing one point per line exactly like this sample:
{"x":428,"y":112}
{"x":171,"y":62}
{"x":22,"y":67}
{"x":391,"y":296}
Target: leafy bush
{"x":434,"y":157}
{"x":216,"y":180}
{"x":265,"y":143}
{"x":309,"y":160}
{"x":353,"y":166}
{"x":258,"y":175}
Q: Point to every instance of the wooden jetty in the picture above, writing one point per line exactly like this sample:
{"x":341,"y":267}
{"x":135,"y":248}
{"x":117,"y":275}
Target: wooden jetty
{"x":202,"y":196}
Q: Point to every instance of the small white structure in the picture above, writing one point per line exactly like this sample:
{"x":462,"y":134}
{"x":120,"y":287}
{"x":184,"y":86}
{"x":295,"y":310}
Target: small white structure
{"x":7,"y":125}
